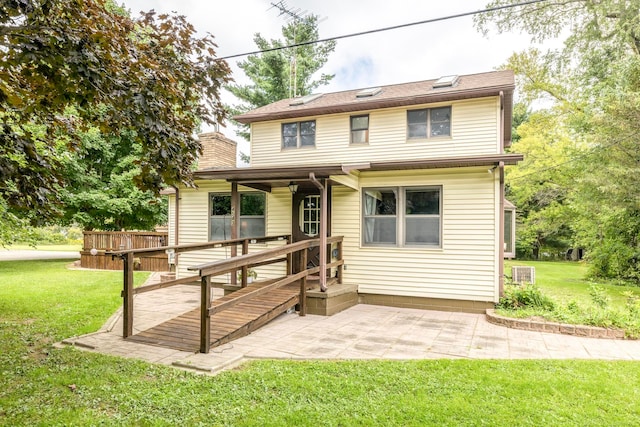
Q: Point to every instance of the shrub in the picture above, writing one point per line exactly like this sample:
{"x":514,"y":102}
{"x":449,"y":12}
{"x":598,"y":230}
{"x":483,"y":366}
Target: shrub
{"x":599,"y":296}
{"x":525,"y":296}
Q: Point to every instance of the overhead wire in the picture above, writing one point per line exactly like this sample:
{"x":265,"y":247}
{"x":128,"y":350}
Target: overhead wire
{"x":394,"y":27}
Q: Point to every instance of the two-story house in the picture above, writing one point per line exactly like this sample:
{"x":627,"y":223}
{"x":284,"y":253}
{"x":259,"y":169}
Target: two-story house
{"x":412,"y":175}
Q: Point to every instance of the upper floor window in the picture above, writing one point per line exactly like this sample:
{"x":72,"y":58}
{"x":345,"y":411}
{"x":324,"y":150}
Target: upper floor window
{"x":360,"y":129}
{"x":402,"y":216}
{"x":429,"y":122}
{"x":252,"y":215}
{"x":299,"y":134}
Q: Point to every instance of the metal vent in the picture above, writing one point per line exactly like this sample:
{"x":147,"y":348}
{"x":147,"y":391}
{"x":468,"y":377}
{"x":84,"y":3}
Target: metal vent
{"x":523,"y":274}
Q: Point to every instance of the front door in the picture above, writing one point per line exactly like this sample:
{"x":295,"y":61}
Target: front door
{"x":306,"y":223}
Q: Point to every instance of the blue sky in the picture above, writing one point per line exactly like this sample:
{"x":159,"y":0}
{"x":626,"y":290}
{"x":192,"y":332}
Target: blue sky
{"x":410,"y":54}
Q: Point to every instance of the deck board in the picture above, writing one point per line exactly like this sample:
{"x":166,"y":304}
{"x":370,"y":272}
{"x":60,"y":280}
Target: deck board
{"x":183,"y":332}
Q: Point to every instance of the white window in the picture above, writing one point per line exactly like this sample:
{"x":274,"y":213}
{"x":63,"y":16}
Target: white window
{"x":509,"y":230}
{"x":299,"y":134}
{"x":402,"y":216}
{"x":429,"y":122}
{"x":252,"y":215}
{"x":310,"y":215}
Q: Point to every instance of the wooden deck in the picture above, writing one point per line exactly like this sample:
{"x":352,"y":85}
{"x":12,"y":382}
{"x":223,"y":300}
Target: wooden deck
{"x":183,"y":332}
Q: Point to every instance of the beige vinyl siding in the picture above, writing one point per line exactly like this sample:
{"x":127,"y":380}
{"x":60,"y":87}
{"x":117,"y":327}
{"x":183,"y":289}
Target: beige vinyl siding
{"x":194,"y":226}
{"x":474,"y":128}
{"x":464,"y":268}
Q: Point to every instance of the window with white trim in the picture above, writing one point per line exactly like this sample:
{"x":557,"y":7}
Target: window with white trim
{"x":509,"y":230}
{"x":402,"y":216}
{"x":429,"y":123}
{"x":299,"y":134}
{"x":252,"y":215}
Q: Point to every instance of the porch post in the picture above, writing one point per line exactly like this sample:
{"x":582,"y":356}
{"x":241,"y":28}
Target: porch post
{"x":127,"y":294}
{"x":323,"y":229}
{"x":205,"y":319}
{"x":235,"y":219}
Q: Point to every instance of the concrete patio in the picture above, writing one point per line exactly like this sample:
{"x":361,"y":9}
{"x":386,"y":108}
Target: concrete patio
{"x":360,"y":332}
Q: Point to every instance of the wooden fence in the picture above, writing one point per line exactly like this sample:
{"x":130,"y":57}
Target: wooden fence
{"x":96,"y":243}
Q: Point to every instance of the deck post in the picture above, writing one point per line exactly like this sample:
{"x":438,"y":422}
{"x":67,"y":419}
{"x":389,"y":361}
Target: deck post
{"x":235,"y":220}
{"x":303,"y":283}
{"x":340,"y":267}
{"x":289,"y":258}
{"x":245,"y":269}
{"x":205,"y":319}
{"x":127,"y":295}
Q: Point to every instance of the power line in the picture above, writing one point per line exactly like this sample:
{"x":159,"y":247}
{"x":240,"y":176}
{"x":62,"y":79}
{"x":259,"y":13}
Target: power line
{"x":395,"y":27}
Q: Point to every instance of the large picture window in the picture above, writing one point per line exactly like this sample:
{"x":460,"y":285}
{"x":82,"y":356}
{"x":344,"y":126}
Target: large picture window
{"x":429,"y":123}
{"x":252,"y":215}
{"x":299,"y":134}
{"x":402,"y":216}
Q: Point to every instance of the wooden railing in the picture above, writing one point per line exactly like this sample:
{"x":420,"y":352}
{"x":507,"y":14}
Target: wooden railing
{"x":231,"y":265}
{"x":269,"y":256}
{"x":128,"y":257}
{"x":97,"y":243}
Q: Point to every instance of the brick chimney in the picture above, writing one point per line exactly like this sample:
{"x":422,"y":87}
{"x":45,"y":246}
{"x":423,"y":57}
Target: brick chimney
{"x":218,"y":151}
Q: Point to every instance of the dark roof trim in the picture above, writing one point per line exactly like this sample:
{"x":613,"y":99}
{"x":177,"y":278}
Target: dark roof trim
{"x":276,"y":173}
{"x":270,"y":173}
{"x":490,"y":160}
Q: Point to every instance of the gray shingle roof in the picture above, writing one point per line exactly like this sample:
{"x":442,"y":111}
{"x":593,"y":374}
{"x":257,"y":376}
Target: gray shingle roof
{"x":468,"y":86}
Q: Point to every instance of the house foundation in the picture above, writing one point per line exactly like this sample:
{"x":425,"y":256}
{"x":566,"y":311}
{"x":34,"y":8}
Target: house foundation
{"x":440,"y":304}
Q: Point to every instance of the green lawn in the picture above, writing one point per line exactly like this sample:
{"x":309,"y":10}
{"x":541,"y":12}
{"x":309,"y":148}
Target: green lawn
{"x":565,"y":281}
{"x":41,"y":302}
{"x":65,"y":248}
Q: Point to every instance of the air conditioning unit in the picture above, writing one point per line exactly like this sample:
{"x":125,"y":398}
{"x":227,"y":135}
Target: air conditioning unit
{"x":523,"y":274}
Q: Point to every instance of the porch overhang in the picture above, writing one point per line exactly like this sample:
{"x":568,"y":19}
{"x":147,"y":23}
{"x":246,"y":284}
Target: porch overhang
{"x":267,"y":177}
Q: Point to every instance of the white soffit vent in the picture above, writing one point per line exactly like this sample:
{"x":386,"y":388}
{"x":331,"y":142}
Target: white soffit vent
{"x":446,"y":81}
{"x":305,"y":99}
{"x":364,"y":93}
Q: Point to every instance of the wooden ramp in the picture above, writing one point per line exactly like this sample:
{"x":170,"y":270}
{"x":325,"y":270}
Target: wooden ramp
{"x":183,"y":332}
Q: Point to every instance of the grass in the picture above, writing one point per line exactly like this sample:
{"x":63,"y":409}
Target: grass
{"x":565,"y":281}
{"x":575,"y":298}
{"x":41,"y":302}
{"x":45,"y":247}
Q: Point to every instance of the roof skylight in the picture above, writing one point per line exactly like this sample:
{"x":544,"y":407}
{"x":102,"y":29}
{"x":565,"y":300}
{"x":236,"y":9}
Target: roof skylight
{"x":304,"y":99}
{"x":446,"y":81}
{"x":364,"y":93}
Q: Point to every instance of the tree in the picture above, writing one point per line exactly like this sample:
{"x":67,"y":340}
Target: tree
{"x":285,"y":73}
{"x":539,"y":189}
{"x":99,"y":191}
{"x":148,"y":76}
{"x":594,"y":82}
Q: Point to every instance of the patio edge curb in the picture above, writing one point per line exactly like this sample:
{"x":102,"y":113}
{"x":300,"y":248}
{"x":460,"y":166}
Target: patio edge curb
{"x":541,"y":325}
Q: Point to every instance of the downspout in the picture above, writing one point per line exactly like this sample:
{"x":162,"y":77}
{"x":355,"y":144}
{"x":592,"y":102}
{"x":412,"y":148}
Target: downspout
{"x":501,"y":212}
{"x":501,"y":234}
{"x":323,"y":231}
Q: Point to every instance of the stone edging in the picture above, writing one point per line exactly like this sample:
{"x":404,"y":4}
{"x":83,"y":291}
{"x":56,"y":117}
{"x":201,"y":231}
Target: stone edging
{"x":553,"y":327}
